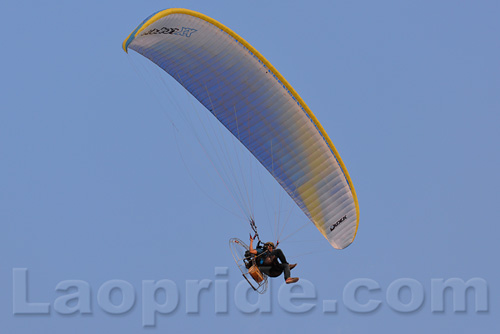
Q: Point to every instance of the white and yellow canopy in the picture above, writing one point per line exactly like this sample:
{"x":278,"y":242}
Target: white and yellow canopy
{"x":253,"y":101}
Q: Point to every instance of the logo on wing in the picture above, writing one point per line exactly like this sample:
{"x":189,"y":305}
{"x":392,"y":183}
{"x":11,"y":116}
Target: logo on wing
{"x":186,"y":32}
{"x":338,"y":222}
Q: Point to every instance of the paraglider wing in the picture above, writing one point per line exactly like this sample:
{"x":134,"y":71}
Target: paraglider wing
{"x":258,"y":106}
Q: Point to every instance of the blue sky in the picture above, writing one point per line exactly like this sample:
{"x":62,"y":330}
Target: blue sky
{"x":93,"y":187}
